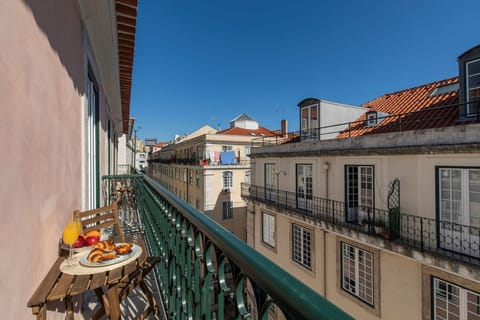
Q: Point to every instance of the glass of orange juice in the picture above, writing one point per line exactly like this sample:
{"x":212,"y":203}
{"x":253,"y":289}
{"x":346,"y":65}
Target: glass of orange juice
{"x":70,"y":235}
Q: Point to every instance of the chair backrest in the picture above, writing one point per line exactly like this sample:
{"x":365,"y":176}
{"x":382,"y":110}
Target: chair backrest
{"x":100,"y":218}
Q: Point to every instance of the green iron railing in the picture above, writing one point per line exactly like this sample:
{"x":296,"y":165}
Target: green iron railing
{"x":208,"y":273}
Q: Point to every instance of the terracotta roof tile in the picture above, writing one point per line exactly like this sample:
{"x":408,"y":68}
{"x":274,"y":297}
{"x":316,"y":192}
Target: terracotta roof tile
{"x":418,"y":110}
{"x":247,"y":132}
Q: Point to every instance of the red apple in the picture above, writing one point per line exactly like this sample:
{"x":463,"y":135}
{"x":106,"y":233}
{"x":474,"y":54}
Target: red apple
{"x":90,"y":241}
{"x":80,"y":242}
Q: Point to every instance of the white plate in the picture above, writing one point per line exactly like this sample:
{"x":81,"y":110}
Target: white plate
{"x":84,"y":261}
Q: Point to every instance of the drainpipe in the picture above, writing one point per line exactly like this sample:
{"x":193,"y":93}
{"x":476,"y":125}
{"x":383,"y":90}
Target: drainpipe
{"x":326,"y":166}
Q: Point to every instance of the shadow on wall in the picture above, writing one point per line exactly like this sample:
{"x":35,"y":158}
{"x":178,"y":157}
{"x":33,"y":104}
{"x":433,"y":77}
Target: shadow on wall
{"x":238,"y":224}
{"x":61,"y":23}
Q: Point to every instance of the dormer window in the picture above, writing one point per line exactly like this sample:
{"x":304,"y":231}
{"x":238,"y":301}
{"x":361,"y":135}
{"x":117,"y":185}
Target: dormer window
{"x":473,"y":87}
{"x":469,"y":80}
{"x":371,"y":119}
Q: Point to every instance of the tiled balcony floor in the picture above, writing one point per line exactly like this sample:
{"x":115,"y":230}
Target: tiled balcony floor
{"x":131,"y":308}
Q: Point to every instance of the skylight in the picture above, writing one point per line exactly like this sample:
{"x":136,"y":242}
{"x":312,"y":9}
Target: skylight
{"x":444,"y":89}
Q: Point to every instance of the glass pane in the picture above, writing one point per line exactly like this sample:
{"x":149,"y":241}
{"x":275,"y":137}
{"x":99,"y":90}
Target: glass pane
{"x":474,"y":197}
{"x":304,"y":119}
{"x":474,"y":81}
{"x":314,"y":118}
{"x":473,"y":67}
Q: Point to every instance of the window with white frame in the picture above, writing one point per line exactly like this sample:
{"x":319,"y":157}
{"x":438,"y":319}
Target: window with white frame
{"x":459,"y":190}
{"x":360,"y":191}
{"x":357,"y":272}
{"x":227,"y":179}
{"x":227,"y":210}
{"x":227,"y":148}
{"x":302,"y":245}
{"x":371,"y":118}
{"x":453,"y":302}
{"x":268,"y":229}
{"x":247,"y":152}
{"x":473,"y":87}
{"x":309,"y":122}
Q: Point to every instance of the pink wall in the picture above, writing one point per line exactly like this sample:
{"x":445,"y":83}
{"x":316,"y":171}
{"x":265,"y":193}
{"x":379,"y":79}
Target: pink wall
{"x":41,"y":84}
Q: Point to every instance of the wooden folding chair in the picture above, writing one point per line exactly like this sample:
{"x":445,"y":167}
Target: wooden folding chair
{"x":100,"y":218}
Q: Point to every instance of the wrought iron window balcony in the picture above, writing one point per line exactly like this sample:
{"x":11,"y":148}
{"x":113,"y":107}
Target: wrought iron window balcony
{"x":447,"y":239}
{"x":205,"y":271}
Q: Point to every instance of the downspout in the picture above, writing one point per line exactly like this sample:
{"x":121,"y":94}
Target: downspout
{"x":326,"y":166}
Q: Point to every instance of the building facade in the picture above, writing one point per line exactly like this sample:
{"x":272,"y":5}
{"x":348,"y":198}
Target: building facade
{"x":384,"y":219}
{"x":206,"y":169}
{"x":66,"y":102}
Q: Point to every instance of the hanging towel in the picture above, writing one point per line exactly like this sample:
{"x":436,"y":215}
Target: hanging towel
{"x":217,"y":156}
{"x":227,"y":157}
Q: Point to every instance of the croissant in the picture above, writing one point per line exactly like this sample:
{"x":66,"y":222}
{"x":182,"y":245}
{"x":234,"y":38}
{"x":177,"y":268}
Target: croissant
{"x":124,"y":248}
{"x":99,"y":255}
{"x":106,"y":245}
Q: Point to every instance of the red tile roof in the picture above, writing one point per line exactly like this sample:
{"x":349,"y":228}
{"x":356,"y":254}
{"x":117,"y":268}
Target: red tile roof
{"x":418,"y":108}
{"x":247,"y":132}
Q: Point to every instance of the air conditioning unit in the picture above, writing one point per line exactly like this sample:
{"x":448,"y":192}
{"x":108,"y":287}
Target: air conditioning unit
{"x":226,"y":190}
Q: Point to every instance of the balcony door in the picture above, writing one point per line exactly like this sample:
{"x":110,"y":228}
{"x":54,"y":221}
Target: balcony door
{"x":459,"y":209}
{"x":270,"y":182}
{"x":304,"y":186}
{"x":92,"y":144}
{"x":359,"y":192}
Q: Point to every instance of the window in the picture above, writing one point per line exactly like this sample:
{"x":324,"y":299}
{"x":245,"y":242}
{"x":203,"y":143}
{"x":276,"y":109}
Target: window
{"x":270,"y":182}
{"x":304,"y":186}
{"x":190,"y":176}
{"x":309,"y":122}
{"x":197,"y":178}
{"x":371,"y":118}
{"x":459,"y":208}
{"x":227,"y":210}
{"x":357,"y":272}
{"x":227,"y":179}
{"x":473,"y":87}
{"x":301,"y":245}
{"x":227,"y":148}
{"x":247,"y":152}
{"x":359,"y":192}
{"x":268,"y":229}
{"x":454,"y":302}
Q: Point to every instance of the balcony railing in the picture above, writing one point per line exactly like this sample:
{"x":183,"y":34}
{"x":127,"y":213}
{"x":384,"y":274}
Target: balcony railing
{"x":208,"y":273}
{"x":199,"y":162}
{"x":452,"y":240}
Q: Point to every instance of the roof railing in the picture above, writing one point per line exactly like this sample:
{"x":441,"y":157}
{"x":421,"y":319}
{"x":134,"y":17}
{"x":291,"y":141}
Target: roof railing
{"x":420,"y":119}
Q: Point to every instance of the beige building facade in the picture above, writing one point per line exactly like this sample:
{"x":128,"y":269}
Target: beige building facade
{"x":385,"y":224}
{"x":206,"y":170}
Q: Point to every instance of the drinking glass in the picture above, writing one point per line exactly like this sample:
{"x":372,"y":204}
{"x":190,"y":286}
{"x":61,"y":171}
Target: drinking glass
{"x":70,"y":235}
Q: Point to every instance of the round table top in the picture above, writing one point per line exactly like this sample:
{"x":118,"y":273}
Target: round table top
{"x":80,"y":269}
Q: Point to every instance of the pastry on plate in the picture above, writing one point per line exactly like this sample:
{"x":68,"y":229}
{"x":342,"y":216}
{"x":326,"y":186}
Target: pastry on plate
{"x":124,"y":248}
{"x":99,"y":255}
{"x":106,"y":245}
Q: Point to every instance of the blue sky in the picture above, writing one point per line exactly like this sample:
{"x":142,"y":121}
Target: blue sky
{"x":201,"y":62}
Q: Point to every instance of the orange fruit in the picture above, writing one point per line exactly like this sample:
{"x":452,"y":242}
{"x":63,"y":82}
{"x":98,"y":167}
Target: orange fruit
{"x":93,"y":233}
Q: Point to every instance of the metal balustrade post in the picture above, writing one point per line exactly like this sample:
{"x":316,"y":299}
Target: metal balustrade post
{"x":421,"y":234}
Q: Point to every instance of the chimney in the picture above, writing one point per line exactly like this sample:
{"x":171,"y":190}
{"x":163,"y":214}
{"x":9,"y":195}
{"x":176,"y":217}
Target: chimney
{"x":284,"y":127}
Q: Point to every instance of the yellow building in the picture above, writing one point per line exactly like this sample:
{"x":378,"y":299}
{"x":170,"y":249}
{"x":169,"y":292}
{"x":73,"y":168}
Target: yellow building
{"x":206,"y":169}
{"x":384,"y":219}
